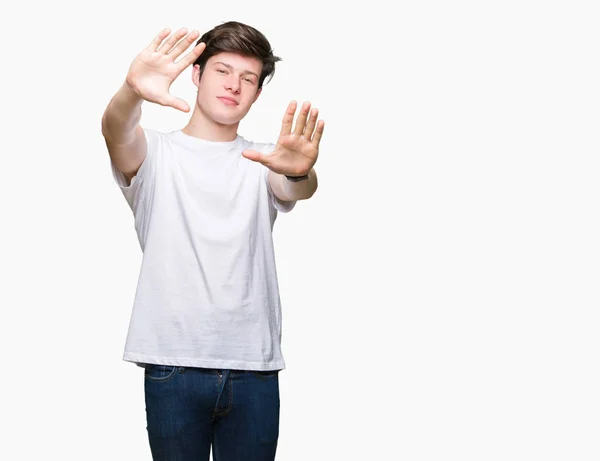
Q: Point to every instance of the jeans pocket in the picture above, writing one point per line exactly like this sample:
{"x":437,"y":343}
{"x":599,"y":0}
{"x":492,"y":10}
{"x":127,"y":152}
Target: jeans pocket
{"x":265,"y":374}
{"x":159,"y":373}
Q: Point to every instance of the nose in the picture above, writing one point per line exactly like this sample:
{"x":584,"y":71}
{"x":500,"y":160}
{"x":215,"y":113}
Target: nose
{"x":233,"y":84}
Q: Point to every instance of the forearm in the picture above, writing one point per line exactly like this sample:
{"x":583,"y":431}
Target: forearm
{"x":288,"y":190}
{"x":122,"y":116}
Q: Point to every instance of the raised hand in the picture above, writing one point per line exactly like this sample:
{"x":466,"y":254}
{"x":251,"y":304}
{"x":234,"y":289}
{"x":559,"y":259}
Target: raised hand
{"x":296,"y":151}
{"x":153,"y":70}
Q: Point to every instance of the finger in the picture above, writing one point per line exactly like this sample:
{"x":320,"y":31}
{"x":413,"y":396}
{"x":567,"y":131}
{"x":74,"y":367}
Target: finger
{"x":310,"y":126}
{"x":177,"y":103}
{"x":255,"y":156}
{"x":318,"y":133}
{"x":158,"y":39}
{"x":184,"y":44}
{"x":171,"y":41}
{"x":191,"y":56}
{"x":301,"y":120}
{"x":288,"y":118}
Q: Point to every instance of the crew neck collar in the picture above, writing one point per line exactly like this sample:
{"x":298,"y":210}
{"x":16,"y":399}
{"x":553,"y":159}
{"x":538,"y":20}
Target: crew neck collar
{"x":195,"y":143}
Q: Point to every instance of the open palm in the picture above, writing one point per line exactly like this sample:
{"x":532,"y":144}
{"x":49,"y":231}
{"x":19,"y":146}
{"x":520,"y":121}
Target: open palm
{"x":154,"y":69}
{"x":296,"y":150}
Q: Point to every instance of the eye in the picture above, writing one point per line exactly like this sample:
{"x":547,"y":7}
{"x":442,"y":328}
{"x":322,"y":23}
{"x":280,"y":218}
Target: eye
{"x":221,"y":71}
{"x":248,"y":80}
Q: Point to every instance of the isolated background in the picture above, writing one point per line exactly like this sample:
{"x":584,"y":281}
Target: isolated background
{"x":440,"y":291}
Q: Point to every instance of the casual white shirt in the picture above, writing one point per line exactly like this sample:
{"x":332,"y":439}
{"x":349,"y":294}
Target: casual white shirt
{"x":207,"y":294}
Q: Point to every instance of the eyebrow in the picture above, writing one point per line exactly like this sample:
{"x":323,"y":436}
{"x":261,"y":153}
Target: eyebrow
{"x":229,"y":66}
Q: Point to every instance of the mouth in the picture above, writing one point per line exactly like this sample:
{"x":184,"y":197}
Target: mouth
{"x":228,"y":101}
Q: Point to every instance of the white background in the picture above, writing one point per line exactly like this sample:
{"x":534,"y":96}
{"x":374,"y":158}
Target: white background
{"x":440,"y":291}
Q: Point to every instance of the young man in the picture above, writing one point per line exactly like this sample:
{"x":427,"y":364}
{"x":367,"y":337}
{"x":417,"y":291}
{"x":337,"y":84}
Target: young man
{"x":206,"y":321}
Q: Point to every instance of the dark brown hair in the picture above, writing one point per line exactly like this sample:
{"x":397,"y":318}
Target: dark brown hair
{"x":243,"y":39}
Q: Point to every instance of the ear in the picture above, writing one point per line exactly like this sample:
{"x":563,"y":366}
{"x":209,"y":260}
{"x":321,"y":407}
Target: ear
{"x":257,"y":95}
{"x":196,"y":75}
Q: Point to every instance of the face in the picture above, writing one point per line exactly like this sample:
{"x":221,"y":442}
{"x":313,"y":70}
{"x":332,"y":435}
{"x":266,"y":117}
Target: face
{"x":228,"y":86}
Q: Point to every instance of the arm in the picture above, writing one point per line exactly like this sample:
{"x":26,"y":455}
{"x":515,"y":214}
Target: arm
{"x":149,"y":78}
{"x":290,"y":191}
{"x":122,"y":133}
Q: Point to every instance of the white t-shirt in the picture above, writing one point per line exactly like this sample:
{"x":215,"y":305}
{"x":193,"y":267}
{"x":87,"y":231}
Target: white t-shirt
{"x":207,"y":294}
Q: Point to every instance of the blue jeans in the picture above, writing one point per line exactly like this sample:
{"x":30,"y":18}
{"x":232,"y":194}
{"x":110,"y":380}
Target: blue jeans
{"x":188,"y":410}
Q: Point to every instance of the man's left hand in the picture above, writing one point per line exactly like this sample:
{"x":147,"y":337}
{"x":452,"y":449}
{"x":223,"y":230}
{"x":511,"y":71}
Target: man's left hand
{"x":296,"y":151}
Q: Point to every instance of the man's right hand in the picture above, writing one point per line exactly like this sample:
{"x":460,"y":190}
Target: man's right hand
{"x":153,"y":70}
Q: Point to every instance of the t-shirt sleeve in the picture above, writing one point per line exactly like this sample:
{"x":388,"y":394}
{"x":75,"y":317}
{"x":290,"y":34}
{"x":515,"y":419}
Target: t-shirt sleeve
{"x":280,"y":205}
{"x":143,"y":181}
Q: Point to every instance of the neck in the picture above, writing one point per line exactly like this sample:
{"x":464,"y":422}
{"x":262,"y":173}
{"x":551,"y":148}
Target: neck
{"x":201,"y":126}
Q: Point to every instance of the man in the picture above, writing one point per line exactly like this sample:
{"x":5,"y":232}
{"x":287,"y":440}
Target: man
{"x":206,"y":320}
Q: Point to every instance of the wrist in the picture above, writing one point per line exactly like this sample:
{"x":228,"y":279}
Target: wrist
{"x":297,"y":178}
{"x":130,"y":94}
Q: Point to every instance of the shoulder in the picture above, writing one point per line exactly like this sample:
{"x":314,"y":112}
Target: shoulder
{"x":155,"y":138}
{"x":259,"y":146}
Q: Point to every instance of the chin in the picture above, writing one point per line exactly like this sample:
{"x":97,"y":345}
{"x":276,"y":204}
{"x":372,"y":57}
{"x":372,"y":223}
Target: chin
{"x":225,"y":118}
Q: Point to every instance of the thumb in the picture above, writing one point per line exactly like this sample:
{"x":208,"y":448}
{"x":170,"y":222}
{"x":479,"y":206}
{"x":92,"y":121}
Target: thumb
{"x":254,"y":156}
{"x":176,"y":103}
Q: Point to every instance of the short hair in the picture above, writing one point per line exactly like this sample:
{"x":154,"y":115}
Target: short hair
{"x":236,"y":37}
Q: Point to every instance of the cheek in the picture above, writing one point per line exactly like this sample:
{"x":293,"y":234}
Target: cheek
{"x":250,"y":96}
{"x":207,"y":94}
{"x":246,"y":103}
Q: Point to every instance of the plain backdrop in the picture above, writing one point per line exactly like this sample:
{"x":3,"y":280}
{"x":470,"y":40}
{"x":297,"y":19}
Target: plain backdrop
{"x":440,"y":290}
